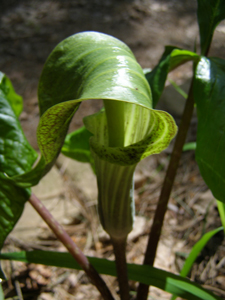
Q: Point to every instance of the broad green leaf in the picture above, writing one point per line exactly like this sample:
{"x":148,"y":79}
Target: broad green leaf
{"x":16,"y":154}
{"x":157,"y":76}
{"x":88,"y":65}
{"x":14,"y":99}
{"x":171,"y":58}
{"x":16,"y":157}
{"x":12,"y":200}
{"x":209,"y":95}
{"x":149,"y":275}
{"x":77,"y":145}
{"x":179,"y":57}
{"x":210,"y":13}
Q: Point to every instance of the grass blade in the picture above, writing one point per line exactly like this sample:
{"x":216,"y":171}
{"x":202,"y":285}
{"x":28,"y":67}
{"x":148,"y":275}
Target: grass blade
{"x":195,"y":252}
{"x":164,"y":280}
{"x":221,"y":208}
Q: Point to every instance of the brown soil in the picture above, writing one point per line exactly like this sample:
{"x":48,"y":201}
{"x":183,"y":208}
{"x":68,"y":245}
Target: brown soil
{"x":29,"y":30}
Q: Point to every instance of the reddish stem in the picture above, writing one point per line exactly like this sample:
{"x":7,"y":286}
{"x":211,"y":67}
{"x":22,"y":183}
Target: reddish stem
{"x":72,"y":247}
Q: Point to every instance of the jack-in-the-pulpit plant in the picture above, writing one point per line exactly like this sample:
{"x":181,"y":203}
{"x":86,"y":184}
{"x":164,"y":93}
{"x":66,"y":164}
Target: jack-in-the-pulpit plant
{"x":93,"y":65}
{"x":125,"y":131}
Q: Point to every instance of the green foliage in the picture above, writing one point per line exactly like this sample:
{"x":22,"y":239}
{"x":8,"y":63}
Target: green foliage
{"x":171,"y":58}
{"x":195,"y":251}
{"x":12,"y":199}
{"x":7,"y":90}
{"x":15,"y":152}
{"x":209,"y":94}
{"x":77,"y":145}
{"x":146,"y":274}
{"x":210,"y":13}
{"x":16,"y":157}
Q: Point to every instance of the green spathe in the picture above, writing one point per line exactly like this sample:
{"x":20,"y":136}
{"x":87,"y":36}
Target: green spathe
{"x":144,"y":132}
{"x":92,"y":65}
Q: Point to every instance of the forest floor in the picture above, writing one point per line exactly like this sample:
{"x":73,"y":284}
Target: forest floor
{"x":29,"y":30}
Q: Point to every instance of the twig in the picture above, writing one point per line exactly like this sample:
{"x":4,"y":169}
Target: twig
{"x":16,"y":283}
{"x":18,"y":290}
{"x":214,"y":289}
{"x":72,"y":247}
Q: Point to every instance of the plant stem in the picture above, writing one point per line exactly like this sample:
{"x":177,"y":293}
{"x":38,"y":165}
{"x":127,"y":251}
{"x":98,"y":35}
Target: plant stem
{"x":166,"y":189}
{"x":72,"y":247}
{"x":119,"y":246}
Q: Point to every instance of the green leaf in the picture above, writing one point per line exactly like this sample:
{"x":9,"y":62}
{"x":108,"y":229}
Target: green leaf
{"x":171,"y":58}
{"x":14,"y":99}
{"x":76,"y":145}
{"x":12,"y":200}
{"x":149,"y":275}
{"x":210,"y":13}
{"x":209,"y":95}
{"x":16,"y":157}
{"x":16,"y":154}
